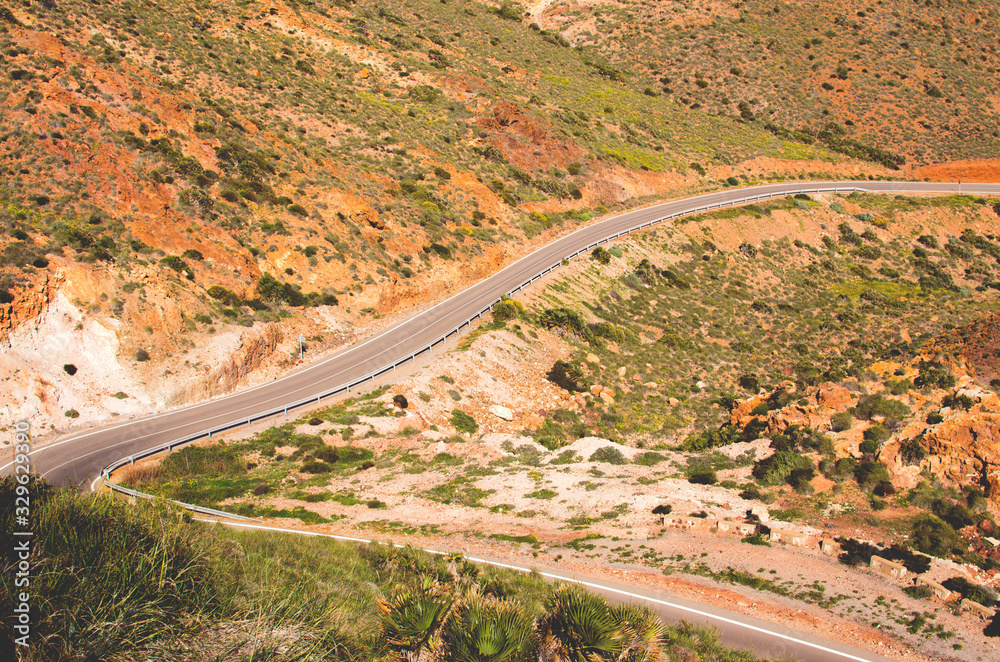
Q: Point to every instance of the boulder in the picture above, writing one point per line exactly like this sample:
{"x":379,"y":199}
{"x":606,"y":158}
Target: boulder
{"x":607,"y":396}
{"x":502,"y":412}
{"x":592,"y":358}
{"x":833,"y":397}
{"x":596,"y":389}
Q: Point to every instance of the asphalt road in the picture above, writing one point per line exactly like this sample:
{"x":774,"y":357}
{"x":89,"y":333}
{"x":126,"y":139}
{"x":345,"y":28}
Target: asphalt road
{"x":735,"y":630}
{"x":80,"y":458}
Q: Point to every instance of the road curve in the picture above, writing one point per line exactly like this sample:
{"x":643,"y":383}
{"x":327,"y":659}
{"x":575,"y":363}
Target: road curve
{"x":80,"y":458}
{"x":735,"y":630}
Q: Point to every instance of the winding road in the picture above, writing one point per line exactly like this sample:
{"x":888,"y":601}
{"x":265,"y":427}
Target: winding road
{"x":80,"y":458}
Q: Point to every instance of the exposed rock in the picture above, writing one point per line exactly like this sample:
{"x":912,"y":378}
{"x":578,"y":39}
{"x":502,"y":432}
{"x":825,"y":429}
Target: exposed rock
{"x":607,"y":397}
{"x":502,"y":412}
{"x":780,"y":420}
{"x":622,"y":370}
{"x":833,"y":397}
{"x":532,"y":421}
{"x":592,"y":358}
{"x":256,"y":345}
{"x":596,"y":389}
{"x":963,"y":450}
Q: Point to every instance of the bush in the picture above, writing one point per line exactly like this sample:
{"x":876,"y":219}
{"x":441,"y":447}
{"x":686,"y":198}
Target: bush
{"x":72,"y":413}
{"x":957,"y":515}
{"x":919,"y":591}
{"x":316,"y":467}
{"x":912,"y":451}
{"x":876,"y":405}
{"x":703,"y":477}
{"x":315,"y":421}
{"x":933,"y":536}
{"x":601,"y":255}
{"x":663,"y":509}
{"x":463,"y":422}
{"x":401,"y":401}
{"x":934,"y":374}
{"x":69,"y":369}
{"x":507,"y":309}
{"x":778,"y":468}
{"x":756,"y":539}
{"x":608,"y":454}
{"x":870,"y":474}
{"x":842,"y":421}
{"x":981,"y":594}
{"x":567,"y":376}
{"x":141,"y":355}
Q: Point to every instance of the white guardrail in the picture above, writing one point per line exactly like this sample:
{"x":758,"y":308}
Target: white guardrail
{"x":317,"y":399}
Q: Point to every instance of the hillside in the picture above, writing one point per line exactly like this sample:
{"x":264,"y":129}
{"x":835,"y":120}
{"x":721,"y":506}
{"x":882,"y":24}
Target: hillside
{"x":918,"y":80}
{"x":188,"y":188}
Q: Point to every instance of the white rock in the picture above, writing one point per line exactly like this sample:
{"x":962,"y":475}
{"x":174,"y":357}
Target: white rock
{"x":502,"y":412}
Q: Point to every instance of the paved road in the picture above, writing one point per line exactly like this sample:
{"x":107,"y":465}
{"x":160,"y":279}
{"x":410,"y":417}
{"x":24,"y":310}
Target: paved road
{"x":80,"y":458}
{"x":735,"y":630}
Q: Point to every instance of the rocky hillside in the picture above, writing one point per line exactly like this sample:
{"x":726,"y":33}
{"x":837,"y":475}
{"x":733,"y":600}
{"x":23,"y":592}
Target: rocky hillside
{"x":917,"y":80}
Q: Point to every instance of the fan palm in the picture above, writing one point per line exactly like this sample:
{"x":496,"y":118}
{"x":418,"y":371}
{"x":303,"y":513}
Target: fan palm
{"x":411,"y":618}
{"x":643,"y":631}
{"x":583,"y":627}
{"x":487,"y":630}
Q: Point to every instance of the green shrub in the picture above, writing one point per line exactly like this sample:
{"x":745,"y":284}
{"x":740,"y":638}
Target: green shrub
{"x":876,"y":405}
{"x":933,"y":536}
{"x":567,"y":376}
{"x":776,"y":469}
{"x":601,"y":255}
{"x":841,"y":421}
{"x":957,"y":515}
{"x":703,"y":476}
{"x":870,"y":474}
{"x":463,"y":422}
{"x":756,"y":539}
{"x":912,"y":451}
{"x":608,"y":454}
{"x":649,"y":459}
{"x":971,"y":591}
{"x":934,"y":374}
{"x":316,"y":467}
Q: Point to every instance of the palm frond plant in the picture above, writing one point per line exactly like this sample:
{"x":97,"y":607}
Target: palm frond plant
{"x":489,"y":630}
{"x":580,"y":627}
{"x":411,"y":619}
